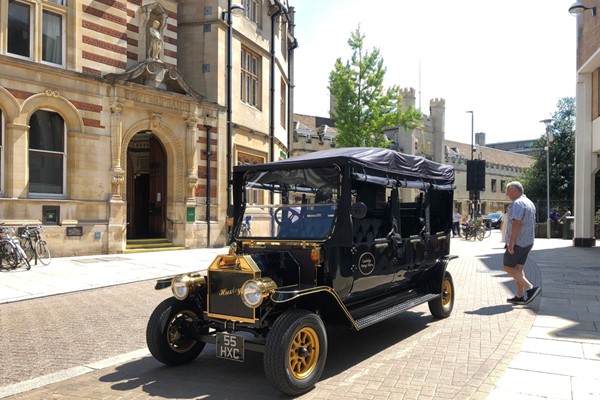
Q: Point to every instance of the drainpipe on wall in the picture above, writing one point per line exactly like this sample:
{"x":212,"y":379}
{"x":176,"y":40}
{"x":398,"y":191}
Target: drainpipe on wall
{"x":208,"y":155}
{"x":272,"y":88}
{"x":272,"y":83}
{"x":294,"y":46}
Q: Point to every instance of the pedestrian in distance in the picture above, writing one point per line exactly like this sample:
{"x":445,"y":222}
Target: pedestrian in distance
{"x":566,"y":214}
{"x":520,"y":234}
{"x":503,"y":225}
{"x":456,"y":217}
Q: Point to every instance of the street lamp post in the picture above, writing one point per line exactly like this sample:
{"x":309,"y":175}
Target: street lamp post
{"x":472,"y":126}
{"x":473,"y":198}
{"x":232,"y":9}
{"x":547,"y":122}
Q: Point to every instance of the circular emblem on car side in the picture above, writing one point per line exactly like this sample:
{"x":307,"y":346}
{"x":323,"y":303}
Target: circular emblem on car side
{"x":366,"y":263}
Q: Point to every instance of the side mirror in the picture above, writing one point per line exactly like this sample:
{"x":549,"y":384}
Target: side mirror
{"x":358,"y":210}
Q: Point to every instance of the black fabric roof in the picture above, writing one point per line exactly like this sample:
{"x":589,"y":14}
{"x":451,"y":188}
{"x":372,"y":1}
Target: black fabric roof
{"x":373,"y":161}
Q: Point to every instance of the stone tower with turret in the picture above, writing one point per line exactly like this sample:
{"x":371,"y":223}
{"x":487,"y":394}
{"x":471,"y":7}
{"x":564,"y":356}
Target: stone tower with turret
{"x":437,"y":113}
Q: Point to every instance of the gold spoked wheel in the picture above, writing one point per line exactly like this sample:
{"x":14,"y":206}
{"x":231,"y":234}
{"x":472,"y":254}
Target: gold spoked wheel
{"x":441,"y":307}
{"x":447,"y":293}
{"x":304,"y":352}
{"x":295,"y":351}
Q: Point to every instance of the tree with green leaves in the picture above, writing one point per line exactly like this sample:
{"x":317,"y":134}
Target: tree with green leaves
{"x":561,"y":157}
{"x":362,"y":107}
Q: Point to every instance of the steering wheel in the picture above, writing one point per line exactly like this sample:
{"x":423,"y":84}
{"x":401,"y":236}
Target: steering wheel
{"x":292,"y":216}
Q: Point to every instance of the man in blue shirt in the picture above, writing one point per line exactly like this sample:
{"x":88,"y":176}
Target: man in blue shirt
{"x":520,"y":234}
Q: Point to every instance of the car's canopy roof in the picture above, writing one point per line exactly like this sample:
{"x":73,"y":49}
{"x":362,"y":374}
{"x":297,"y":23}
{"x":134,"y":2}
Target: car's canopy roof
{"x":368,"y":163}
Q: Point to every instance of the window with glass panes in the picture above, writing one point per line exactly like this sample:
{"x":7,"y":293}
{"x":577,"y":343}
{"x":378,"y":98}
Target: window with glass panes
{"x":250,"y":78}
{"x":254,"y":196}
{"x":47,"y":150}
{"x":23,"y":24}
{"x":252,"y":10}
{"x":283,"y":37}
{"x":283,"y":103}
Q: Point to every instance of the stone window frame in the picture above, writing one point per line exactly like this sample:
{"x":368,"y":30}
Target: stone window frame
{"x":252,"y":11}
{"x":38,"y":11}
{"x":250,"y":77}
{"x":283,"y":103}
{"x":283,"y":38}
{"x":255,"y":196}
{"x":55,"y":153}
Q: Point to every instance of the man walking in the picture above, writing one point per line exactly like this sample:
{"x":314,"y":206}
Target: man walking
{"x":520,"y":233}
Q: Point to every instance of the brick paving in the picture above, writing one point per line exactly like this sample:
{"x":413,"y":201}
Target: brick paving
{"x":412,"y":356}
{"x":47,"y":335}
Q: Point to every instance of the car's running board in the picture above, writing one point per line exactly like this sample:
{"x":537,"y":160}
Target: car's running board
{"x":393,"y":311}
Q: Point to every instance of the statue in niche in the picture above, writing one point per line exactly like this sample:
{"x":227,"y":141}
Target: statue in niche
{"x":156,"y":41}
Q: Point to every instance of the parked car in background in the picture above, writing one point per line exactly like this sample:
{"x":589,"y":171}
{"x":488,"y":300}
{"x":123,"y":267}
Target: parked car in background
{"x":493,"y":220}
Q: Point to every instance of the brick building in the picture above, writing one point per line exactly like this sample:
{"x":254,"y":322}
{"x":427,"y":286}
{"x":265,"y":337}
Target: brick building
{"x":114,"y":115}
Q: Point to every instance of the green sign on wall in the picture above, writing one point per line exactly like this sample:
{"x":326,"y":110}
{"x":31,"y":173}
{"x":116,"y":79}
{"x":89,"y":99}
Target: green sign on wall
{"x":191,"y":214}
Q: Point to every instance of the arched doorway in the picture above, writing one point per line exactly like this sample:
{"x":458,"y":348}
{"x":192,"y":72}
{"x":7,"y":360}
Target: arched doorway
{"x":146,"y":187}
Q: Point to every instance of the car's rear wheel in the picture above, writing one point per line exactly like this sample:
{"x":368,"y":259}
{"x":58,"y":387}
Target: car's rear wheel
{"x":295,"y":352}
{"x":170,"y":334}
{"x":443,"y":305}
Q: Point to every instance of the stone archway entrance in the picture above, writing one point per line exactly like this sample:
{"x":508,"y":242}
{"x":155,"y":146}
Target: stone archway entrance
{"x":146,"y":188}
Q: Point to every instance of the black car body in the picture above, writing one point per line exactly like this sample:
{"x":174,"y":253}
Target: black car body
{"x":344,"y":236}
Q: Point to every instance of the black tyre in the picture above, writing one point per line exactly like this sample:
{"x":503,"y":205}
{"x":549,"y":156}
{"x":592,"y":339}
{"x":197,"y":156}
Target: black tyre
{"x":295,"y":352}
{"x":487,"y":233}
{"x":443,"y":305}
{"x":480,"y":233}
{"x":24,"y":262}
{"x":8,"y":255}
{"x":28,"y":247}
{"x":170,"y":332}
{"x":43,"y":252}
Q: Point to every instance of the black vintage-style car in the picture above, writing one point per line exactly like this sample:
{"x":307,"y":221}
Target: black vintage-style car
{"x":344,"y":236}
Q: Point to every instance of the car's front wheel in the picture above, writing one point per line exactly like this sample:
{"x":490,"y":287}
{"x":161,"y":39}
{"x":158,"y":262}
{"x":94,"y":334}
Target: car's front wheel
{"x":295,"y":352}
{"x":170,"y":334}
{"x":442,"y":306}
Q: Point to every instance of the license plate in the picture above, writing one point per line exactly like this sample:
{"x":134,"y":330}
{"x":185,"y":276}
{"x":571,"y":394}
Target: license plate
{"x":230,"y":347}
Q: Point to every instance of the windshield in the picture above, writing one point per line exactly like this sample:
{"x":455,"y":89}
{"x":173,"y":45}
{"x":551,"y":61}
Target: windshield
{"x":305,"y":202}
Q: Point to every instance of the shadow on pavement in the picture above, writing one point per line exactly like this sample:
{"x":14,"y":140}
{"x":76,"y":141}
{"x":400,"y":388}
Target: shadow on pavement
{"x":210,"y":377}
{"x":571,"y":283}
{"x":492,"y":310}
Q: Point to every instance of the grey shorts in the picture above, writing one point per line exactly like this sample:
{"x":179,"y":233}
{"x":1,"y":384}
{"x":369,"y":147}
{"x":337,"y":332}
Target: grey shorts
{"x":519,"y":257}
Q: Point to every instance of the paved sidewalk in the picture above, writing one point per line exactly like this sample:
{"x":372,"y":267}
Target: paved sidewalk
{"x":72,"y":274}
{"x":558,"y":359}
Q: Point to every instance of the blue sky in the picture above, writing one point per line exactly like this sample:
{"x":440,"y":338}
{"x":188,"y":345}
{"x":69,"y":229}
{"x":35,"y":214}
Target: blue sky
{"x":509,"y":61}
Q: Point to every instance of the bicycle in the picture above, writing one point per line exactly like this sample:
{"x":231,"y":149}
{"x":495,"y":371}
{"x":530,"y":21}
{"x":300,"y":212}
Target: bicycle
{"x":17,"y":252}
{"x":476,"y":230}
{"x":486,"y":230}
{"x":34,"y":245}
{"x":468,"y":230}
{"x":8,"y":252}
